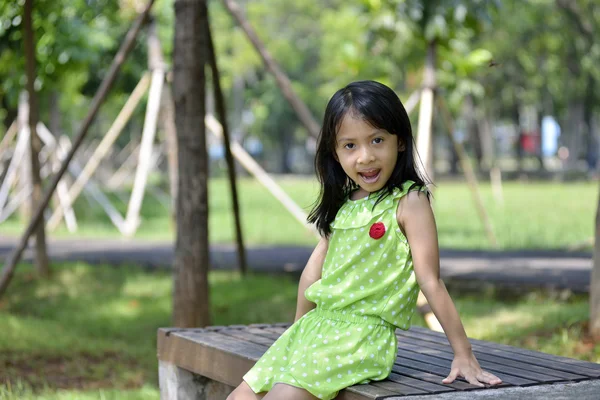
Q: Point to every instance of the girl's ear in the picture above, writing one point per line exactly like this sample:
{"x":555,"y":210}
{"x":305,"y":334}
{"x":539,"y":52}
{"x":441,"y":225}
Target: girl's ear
{"x":401,"y":146}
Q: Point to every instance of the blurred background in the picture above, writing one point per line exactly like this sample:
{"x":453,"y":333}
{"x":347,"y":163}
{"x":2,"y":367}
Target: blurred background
{"x":516,"y":86}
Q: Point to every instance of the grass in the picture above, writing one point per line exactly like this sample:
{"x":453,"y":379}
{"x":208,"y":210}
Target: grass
{"x":531,"y":216}
{"x":89,"y":332}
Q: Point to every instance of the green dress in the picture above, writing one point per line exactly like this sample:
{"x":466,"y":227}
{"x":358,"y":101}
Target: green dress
{"x":367,"y":290}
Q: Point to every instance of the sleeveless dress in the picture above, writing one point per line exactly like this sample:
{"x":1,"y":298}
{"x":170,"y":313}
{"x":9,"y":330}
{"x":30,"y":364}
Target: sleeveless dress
{"x":367,"y":290}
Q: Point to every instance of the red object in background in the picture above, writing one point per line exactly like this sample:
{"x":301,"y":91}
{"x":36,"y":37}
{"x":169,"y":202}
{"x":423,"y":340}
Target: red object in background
{"x":530,"y":142}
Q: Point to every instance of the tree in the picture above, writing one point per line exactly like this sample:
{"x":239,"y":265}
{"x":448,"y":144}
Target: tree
{"x":190,"y":296}
{"x":35,"y":145}
{"x":595,"y":284}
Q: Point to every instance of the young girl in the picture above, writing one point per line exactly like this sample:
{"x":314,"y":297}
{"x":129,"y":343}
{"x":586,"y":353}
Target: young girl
{"x":378,"y":247}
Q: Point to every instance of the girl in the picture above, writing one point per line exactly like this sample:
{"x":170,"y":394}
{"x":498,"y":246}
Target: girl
{"x":378,"y":247}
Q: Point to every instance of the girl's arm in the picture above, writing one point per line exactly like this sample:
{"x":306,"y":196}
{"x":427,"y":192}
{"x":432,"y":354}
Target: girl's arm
{"x":416,"y":219}
{"x":311,"y":274}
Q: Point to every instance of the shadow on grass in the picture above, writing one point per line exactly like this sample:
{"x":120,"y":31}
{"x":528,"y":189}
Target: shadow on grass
{"x":95,"y":326}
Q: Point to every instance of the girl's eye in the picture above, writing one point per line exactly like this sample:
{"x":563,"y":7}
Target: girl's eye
{"x":377,"y":140}
{"x":349,"y":146}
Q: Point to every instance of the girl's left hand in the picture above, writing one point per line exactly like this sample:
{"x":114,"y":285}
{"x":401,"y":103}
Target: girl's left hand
{"x":468,"y":368}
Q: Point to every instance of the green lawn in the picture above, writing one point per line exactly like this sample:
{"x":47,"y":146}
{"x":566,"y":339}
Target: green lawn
{"x":532,"y":216}
{"x":89,"y":332}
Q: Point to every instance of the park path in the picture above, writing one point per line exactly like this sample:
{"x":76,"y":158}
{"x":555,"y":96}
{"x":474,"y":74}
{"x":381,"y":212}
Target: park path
{"x":543,"y":268}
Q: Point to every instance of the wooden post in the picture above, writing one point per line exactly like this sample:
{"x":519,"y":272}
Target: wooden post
{"x":132,"y":220}
{"x":595,"y":283}
{"x":102,"y":149}
{"x":107,"y":82}
{"x":282,"y":80}
{"x":220,"y":106}
{"x":424,"y":134}
{"x":42,"y":264}
{"x":469,"y":174}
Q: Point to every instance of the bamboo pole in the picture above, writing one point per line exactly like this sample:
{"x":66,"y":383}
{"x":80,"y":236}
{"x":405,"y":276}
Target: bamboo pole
{"x":9,"y":136}
{"x":107,"y":82}
{"x":132,"y":221}
{"x":255,"y":169}
{"x":103,"y":148}
{"x":469,"y":174}
{"x":220,"y":107}
{"x":282,"y":80}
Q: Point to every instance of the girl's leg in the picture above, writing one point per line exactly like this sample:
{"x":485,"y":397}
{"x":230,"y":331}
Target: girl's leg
{"x":288,"y":392}
{"x":243,"y":392}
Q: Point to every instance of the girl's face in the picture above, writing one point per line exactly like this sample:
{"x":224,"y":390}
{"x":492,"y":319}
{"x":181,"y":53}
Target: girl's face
{"x":367,"y":155}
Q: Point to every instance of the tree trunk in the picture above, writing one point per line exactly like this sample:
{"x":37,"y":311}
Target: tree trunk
{"x":595,"y":283}
{"x":41,"y":255}
{"x":591,"y":152}
{"x":190,"y":296}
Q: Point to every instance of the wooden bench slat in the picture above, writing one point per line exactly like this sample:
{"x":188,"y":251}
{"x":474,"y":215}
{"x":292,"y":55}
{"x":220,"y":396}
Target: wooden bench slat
{"x":245,"y":335}
{"x":419,"y":384}
{"x":398,"y":388}
{"x":429,"y":377}
{"x":268,"y":333}
{"x":493,"y":367}
{"x":424,"y":362}
{"x":561,"y":366}
{"x":362,"y":392}
{"x":482,"y":356}
{"x":518,"y":350}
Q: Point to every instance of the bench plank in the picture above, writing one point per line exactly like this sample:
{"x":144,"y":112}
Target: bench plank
{"x":518,"y":350}
{"x":481,"y":356}
{"x":429,"y":377}
{"x":410,"y":357}
{"x":509,"y":355}
{"x":492,"y":366}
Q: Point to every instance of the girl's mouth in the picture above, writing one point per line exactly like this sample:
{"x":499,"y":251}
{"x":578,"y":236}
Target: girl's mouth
{"x":370,"y":176}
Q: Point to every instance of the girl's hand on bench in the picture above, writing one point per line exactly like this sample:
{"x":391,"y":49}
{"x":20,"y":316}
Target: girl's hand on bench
{"x":468,"y":367}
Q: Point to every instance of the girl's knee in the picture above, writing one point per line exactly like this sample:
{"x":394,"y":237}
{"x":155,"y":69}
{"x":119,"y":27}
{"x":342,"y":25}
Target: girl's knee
{"x":243,"y":392}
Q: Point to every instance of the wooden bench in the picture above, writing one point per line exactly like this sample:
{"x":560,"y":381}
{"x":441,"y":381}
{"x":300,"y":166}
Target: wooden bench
{"x":208,"y":363}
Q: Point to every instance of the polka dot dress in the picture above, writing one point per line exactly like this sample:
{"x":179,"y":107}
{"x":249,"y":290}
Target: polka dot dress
{"x":367,"y":289}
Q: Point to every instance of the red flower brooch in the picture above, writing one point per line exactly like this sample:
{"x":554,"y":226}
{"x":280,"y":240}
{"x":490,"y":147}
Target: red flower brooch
{"x":377,"y":230}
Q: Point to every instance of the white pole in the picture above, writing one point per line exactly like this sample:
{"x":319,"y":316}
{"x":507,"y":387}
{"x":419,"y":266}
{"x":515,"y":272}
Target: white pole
{"x":132,"y":220}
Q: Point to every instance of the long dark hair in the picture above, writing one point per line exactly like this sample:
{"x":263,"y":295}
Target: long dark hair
{"x":379,"y":106}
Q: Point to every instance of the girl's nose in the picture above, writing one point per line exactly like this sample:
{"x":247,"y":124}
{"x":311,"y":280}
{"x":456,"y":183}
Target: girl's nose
{"x":365,"y":156}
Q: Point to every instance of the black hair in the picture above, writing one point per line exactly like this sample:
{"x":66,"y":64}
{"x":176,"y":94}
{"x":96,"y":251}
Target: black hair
{"x":379,"y":106}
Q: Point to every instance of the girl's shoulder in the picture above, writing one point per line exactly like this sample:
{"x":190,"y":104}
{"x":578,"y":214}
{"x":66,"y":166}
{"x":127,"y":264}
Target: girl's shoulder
{"x":358,"y":213}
